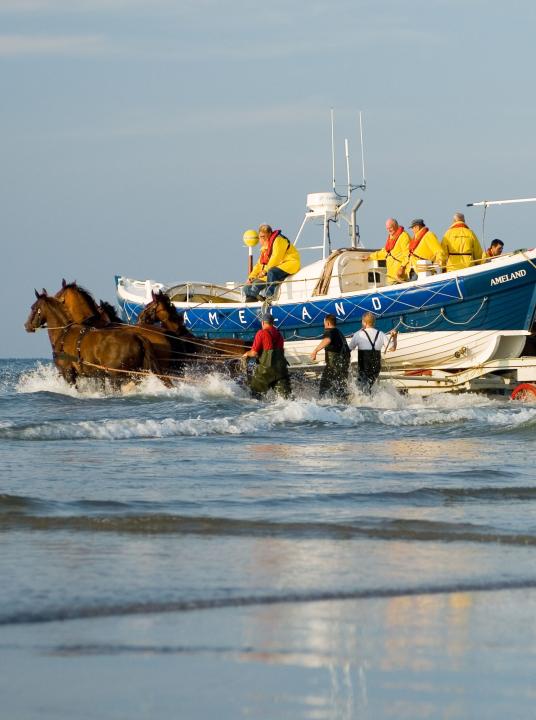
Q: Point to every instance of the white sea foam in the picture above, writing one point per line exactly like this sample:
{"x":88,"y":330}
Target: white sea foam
{"x":385,"y":407}
{"x":447,"y":409}
{"x":262,"y":420}
{"x":46,"y":378}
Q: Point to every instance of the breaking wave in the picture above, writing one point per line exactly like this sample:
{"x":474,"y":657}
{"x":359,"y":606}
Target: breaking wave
{"x":263,"y":417}
{"x":45,"y":378}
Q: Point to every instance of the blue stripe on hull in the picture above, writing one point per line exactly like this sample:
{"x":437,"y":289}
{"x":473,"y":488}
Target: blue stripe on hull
{"x":495,"y":299}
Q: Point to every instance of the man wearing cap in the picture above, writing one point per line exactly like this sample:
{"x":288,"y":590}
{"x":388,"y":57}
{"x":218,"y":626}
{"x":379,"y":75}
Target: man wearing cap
{"x":271,"y":370}
{"x":279,"y":258}
{"x":395,"y":252}
{"x":424,"y":245}
{"x":460,"y":245}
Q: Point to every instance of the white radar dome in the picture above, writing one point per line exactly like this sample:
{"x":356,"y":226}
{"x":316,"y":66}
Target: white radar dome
{"x":323,"y":202}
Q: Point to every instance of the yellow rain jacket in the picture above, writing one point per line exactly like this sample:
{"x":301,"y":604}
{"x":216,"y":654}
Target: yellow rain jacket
{"x":395,"y":259}
{"x":460,"y":247}
{"x":284,"y":256}
{"x":429,"y":248}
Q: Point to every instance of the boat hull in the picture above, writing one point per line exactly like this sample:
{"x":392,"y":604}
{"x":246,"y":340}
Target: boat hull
{"x":448,"y":320}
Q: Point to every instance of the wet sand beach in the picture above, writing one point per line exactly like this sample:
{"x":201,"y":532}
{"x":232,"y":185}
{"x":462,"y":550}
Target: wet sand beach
{"x":455,"y":655}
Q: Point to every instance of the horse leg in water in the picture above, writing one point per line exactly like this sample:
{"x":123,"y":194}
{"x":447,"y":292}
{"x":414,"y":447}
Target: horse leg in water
{"x":69,"y":374}
{"x":151,"y":364}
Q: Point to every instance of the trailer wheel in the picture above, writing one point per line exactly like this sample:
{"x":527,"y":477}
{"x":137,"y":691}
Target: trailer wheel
{"x":526,"y":392}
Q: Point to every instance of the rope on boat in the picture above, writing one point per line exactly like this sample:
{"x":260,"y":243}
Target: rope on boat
{"x":442,"y":314}
{"x":528,"y":259}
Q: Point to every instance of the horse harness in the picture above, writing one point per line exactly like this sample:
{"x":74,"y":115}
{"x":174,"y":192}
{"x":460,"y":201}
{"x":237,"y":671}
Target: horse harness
{"x":61,"y":355}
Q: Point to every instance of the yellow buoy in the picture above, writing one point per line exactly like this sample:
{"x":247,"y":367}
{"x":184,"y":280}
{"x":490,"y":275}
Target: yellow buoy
{"x":250,"y":238}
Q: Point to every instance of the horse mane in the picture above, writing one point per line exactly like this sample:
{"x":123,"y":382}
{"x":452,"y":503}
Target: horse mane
{"x":166,"y":300}
{"x":110,"y":310}
{"x":88,"y":297}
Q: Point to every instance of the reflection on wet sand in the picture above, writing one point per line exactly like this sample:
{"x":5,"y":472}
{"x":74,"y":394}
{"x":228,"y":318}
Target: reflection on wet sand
{"x":378,"y":658}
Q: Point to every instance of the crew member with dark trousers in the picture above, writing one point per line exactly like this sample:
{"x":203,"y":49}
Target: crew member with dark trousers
{"x":334,"y":380}
{"x":272,"y":368}
{"x":278,"y":259}
{"x":369,"y":343}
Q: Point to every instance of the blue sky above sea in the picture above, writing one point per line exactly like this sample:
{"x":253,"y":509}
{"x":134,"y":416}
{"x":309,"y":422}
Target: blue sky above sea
{"x":144,"y":138}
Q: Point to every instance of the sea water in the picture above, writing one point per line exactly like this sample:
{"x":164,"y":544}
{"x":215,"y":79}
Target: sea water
{"x":191,"y":552}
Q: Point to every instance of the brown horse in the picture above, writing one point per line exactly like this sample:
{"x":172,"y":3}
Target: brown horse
{"x":80,"y":350}
{"x":81,"y":306}
{"x":161,"y":310}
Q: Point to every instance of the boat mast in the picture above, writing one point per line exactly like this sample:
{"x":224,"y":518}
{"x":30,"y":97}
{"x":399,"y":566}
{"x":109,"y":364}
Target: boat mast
{"x":355,"y":240}
{"x":329,"y":206}
{"x":486,"y":203}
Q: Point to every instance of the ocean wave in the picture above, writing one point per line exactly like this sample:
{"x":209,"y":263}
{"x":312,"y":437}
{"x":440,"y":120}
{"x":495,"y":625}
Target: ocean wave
{"x":156,"y":606}
{"x":263,"y":417}
{"x":23,"y":504}
{"x":46,"y":378}
{"x":368,"y":527}
{"x":425,"y":496}
{"x":140,"y":513}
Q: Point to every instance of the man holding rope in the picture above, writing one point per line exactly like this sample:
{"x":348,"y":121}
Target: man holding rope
{"x":272,"y":368}
{"x":334,"y":380}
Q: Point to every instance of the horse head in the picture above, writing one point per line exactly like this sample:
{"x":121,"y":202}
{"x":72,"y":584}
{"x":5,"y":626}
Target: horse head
{"x":78,"y":301}
{"x":38,"y":312}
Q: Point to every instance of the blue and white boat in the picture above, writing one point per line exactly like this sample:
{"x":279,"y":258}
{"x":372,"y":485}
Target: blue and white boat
{"x":450,"y":320}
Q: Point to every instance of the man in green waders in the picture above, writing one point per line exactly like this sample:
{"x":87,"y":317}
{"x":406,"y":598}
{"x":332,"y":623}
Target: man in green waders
{"x":334,"y":380}
{"x":272,"y":368}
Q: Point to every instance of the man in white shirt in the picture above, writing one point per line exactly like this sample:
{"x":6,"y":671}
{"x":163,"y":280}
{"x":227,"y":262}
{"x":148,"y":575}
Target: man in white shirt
{"x":370,"y":343}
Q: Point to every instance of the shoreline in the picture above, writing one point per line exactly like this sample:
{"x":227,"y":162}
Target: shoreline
{"x":461,"y":655}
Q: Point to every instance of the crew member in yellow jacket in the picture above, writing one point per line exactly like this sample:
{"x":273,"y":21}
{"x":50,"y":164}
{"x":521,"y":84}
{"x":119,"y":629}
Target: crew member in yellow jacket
{"x":395,"y":252}
{"x":460,"y":245}
{"x":424,"y":245}
{"x":278,"y":259}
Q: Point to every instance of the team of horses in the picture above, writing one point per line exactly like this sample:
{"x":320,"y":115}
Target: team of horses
{"x":89,"y":339}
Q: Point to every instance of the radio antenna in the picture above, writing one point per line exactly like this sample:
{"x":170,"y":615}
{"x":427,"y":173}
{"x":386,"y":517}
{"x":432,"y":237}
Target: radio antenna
{"x":364,"y":185}
{"x":347,"y":153}
{"x":333,"y":149}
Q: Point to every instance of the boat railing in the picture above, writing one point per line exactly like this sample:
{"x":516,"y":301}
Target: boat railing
{"x":371,"y":277}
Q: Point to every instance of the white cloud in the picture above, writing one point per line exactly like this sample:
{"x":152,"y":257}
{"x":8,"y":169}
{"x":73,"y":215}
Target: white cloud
{"x":72,"y":45}
{"x":60,"y":5}
{"x":145,"y":122}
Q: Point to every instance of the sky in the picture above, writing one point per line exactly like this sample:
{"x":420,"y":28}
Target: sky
{"x":143,"y":138}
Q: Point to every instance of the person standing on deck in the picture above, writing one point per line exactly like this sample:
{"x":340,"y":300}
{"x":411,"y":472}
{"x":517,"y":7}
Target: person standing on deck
{"x":334,"y":380}
{"x":272,"y":368}
{"x":460,"y":245}
{"x":395,"y":252}
{"x":279,"y":258}
{"x":424,"y":245}
{"x":369,"y":343}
